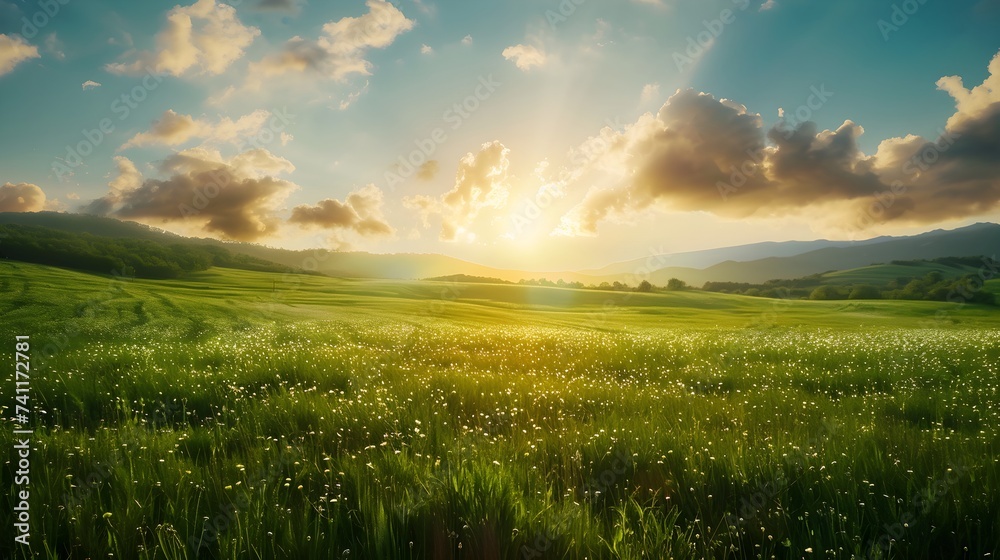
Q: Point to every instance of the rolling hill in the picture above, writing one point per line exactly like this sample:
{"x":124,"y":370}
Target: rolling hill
{"x":753,"y":263}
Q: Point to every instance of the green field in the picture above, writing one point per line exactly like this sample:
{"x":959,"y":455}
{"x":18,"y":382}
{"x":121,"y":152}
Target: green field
{"x":236,"y":414}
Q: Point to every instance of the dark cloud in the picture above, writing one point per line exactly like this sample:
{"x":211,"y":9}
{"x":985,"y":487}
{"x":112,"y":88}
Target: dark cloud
{"x":703,"y":154}
{"x":361,"y":212}
{"x":235,"y":199}
{"x":428,"y":170}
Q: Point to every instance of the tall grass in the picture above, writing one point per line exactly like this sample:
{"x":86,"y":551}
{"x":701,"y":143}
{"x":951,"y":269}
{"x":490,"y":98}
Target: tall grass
{"x":377,"y":435}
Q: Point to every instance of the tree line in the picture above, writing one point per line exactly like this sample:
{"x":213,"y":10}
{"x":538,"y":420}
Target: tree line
{"x":139,"y":258}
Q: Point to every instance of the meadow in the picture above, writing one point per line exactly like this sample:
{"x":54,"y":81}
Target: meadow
{"x":237,"y":414}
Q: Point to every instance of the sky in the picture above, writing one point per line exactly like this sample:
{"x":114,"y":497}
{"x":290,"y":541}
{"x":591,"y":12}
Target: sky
{"x":528,"y":134}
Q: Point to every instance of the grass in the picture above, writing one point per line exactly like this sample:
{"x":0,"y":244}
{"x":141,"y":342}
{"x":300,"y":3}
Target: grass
{"x":235,"y":414}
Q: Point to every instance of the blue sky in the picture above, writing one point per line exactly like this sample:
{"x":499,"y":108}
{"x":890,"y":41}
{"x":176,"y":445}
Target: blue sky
{"x":547,"y":134}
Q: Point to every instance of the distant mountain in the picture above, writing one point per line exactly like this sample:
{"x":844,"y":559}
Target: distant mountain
{"x":753,"y":263}
{"x":978,"y":239}
{"x":400,"y":266}
{"x":740,"y":253}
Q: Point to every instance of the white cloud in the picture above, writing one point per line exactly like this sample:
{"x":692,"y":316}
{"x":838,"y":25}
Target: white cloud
{"x":426,"y":49}
{"x":352,"y":97}
{"x":769,"y":5}
{"x":525,"y":57}
{"x":90,"y":84}
{"x":971,"y":103}
{"x":175,"y":128}
{"x":650,"y":92}
{"x":205,"y":37}
{"x":340,"y":51}
{"x":480,"y":183}
{"x":22,"y":197}
{"x":13,"y":51}
{"x":467,"y":40}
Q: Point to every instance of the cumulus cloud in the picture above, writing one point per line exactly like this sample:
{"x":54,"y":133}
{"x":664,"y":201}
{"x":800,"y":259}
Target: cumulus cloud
{"x":525,"y":57}
{"x":340,"y":50}
{"x":13,"y":51}
{"x":173,"y":129}
{"x":235,"y":198}
{"x":90,"y":84}
{"x":360,"y":213}
{"x":971,"y":104}
{"x":650,"y":92}
{"x":480,"y":183}
{"x":205,"y":37}
{"x":699,"y":153}
{"x":21,"y":197}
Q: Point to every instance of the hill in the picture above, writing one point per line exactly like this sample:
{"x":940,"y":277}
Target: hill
{"x":152,"y":257}
{"x":755,"y":263}
{"x":977,"y":239}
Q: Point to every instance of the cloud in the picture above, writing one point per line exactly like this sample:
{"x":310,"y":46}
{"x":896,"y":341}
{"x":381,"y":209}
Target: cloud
{"x":205,"y":37}
{"x":699,"y":153}
{"x":54,"y":46}
{"x":21,"y":197}
{"x":428,"y":170}
{"x":346,"y":102}
{"x":360,"y":213}
{"x":426,"y":49}
{"x":650,"y":92}
{"x":278,"y":5}
{"x":235,"y":199}
{"x":126,"y":178}
{"x":467,"y":40}
{"x":173,"y":129}
{"x":13,"y":51}
{"x":525,"y":57}
{"x":769,"y":5}
{"x":340,"y":50}
{"x":480,"y":183}
{"x":971,"y":104}
{"x":90,"y":84}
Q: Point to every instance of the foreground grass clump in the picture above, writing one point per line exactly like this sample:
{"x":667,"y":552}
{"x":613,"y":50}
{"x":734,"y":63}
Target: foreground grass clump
{"x":382,"y":431}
